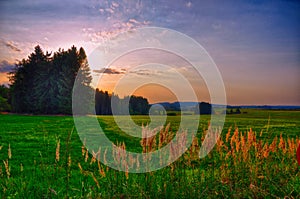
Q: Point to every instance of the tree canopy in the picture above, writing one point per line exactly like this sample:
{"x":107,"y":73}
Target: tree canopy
{"x":42,"y":84}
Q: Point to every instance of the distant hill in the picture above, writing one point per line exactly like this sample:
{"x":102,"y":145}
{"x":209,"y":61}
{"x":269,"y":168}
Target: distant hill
{"x":267,"y":107}
{"x":178,"y":106}
{"x":190,"y":106}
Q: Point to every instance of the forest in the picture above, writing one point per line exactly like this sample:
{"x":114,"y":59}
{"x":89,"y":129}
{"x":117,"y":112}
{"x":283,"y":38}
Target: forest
{"x":43,"y":84}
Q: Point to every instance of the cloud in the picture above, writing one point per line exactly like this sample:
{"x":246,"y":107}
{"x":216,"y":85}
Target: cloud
{"x":188,"y":4}
{"x":6,"y":67}
{"x":115,"y":5}
{"x":110,"y":71}
{"x":156,"y":72}
{"x":11,"y":45}
{"x":134,"y":21}
{"x":113,"y":31}
{"x":142,"y":72}
{"x":118,"y":16}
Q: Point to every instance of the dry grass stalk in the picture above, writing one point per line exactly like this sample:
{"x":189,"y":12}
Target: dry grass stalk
{"x":234,"y":139}
{"x":178,"y":145}
{"x":137,"y":163}
{"x":57,"y":151}
{"x":273,"y":145}
{"x":194,"y":149}
{"x":244,"y":147}
{"x":228,"y":134}
{"x":95,"y":180}
{"x":131,"y":161}
{"x":7,"y":169}
{"x":266,"y":150}
{"x":237,"y":144}
{"x":172,"y":151}
{"x":83,"y":147}
{"x":251,"y":138}
{"x":292,"y":146}
{"x":164,"y":136}
{"x":94,"y":157}
{"x":80,"y":167}
{"x":126,"y":172}
{"x":9,"y":152}
{"x":148,"y":141}
{"x":220,"y":144}
{"x":100,"y":169}
{"x":258,"y":147}
{"x":104,"y":157}
{"x":86,"y":155}
{"x":282,"y":144}
{"x":119,"y":154}
{"x":69,"y":161}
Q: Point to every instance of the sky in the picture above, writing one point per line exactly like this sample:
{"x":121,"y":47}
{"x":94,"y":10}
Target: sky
{"x":254,"y":44}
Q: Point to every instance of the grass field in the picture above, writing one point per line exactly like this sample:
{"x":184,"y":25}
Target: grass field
{"x":43,"y":157}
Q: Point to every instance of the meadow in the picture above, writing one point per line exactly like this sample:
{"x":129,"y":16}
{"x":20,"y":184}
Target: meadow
{"x":43,"y":157}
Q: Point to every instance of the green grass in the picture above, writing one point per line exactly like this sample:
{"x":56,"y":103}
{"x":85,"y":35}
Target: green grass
{"x":33,"y":140}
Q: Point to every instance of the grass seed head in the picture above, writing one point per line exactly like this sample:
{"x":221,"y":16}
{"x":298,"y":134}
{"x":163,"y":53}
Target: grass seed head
{"x":9,"y":152}
{"x":57,"y":151}
{"x":7,"y":169}
{"x":86,"y":155}
{"x":69,"y":161}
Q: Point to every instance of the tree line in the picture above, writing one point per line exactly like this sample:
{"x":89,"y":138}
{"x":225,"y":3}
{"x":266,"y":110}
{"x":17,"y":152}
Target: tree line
{"x":43,"y":84}
{"x":133,"y":105}
{"x":4,"y":99}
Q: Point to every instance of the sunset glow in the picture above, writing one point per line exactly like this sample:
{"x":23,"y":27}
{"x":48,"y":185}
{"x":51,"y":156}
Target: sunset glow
{"x":254,"y":45}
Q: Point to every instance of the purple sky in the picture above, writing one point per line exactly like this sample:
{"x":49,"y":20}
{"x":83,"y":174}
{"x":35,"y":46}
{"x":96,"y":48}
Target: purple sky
{"x":255,"y":44}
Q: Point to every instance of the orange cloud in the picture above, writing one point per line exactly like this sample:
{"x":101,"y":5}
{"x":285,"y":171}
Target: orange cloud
{"x":4,"y":78}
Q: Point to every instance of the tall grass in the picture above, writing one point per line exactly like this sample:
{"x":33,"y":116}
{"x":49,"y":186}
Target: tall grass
{"x":242,"y":164}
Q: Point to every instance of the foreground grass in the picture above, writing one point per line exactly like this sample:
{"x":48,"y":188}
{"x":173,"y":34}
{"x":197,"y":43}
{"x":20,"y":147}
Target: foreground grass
{"x":40,"y":157}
